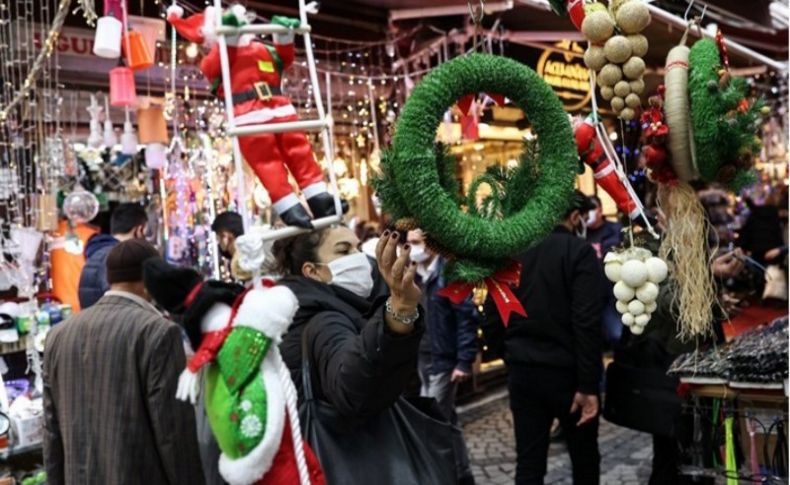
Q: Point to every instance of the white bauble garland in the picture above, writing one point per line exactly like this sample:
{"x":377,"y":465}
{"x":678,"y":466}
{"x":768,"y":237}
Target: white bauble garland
{"x":636,"y":274}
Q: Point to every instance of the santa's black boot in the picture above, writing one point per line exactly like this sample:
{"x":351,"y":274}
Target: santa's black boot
{"x":297,"y":216}
{"x":323,"y":205}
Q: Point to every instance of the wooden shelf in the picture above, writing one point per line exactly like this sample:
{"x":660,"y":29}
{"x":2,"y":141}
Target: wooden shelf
{"x":722,"y":391}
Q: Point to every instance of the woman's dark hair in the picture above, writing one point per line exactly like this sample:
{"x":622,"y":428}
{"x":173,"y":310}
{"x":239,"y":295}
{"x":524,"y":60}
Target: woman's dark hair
{"x":292,"y":253}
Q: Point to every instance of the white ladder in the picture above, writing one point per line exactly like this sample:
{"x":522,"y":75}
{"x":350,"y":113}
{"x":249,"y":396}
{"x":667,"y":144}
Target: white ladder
{"x":322,"y":123}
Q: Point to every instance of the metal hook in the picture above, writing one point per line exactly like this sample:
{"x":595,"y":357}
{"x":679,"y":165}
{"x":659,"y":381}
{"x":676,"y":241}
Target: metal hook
{"x":688,"y":10}
{"x":477,"y":16}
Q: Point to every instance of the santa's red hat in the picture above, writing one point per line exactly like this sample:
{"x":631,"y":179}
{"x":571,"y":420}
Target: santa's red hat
{"x":190,"y":28}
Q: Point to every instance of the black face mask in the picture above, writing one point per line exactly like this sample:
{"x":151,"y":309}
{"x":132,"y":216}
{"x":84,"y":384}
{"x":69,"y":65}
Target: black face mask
{"x":225,"y":253}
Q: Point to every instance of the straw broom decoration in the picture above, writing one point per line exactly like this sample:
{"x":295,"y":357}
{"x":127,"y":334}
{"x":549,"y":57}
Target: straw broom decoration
{"x":685,"y":245}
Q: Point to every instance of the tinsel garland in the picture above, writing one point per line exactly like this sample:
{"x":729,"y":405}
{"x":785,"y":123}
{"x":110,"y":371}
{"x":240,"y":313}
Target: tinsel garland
{"x":724,"y":122}
{"x":417,"y":181}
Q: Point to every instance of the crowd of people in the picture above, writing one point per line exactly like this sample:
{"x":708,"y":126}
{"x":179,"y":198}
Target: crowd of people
{"x":376,"y":339}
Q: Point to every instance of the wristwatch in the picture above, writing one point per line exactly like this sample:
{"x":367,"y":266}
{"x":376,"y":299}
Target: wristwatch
{"x":405,"y":319}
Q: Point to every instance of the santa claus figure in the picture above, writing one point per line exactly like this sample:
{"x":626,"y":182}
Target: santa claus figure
{"x":256,"y":73}
{"x":592,"y":153}
{"x":237,"y":369}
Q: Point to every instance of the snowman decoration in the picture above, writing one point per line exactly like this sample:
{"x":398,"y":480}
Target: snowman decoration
{"x":636,"y":274}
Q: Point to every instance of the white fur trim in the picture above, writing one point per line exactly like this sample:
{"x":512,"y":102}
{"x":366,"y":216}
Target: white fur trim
{"x":284,"y":39}
{"x":265,"y":115}
{"x":604,"y":171}
{"x":188,"y":387}
{"x":209,"y":29}
{"x":267,"y":310}
{"x":286,"y":203}
{"x":216,"y":318}
{"x":314,"y":189}
{"x":175,"y":11}
{"x":254,"y":465}
{"x":240,"y":13}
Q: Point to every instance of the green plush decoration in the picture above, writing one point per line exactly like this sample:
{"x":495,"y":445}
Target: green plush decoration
{"x":288,"y":22}
{"x":418,"y":183}
{"x":235,"y":394}
{"x":724,"y":122}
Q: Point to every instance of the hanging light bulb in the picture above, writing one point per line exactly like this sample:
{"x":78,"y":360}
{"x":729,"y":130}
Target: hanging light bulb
{"x":390,"y":47}
{"x":191,"y":50}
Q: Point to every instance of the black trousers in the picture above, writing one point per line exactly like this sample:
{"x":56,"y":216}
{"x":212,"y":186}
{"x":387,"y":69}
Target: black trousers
{"x":537,"y":397}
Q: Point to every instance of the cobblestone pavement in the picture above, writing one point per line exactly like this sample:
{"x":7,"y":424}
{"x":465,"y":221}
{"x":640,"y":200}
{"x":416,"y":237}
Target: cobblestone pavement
{"x":625,"y":454}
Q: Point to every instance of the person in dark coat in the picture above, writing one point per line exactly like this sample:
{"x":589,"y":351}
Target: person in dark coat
{"x":449,"y":346}
{"x":656,"y":349}
{"x":127,"y":221}
{"x":554,"y":353}
{"x":110,"y":378}
{"x":363,"y":353}
{"x":604,"y":235}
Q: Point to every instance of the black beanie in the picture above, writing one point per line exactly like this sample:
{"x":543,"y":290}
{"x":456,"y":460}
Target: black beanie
{"x":125,"y":261}
{"x":169,"y":285}
{"x":228,"y":221}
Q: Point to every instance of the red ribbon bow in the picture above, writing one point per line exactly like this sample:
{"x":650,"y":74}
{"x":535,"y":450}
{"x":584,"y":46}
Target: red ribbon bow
{"x":498,"y":288}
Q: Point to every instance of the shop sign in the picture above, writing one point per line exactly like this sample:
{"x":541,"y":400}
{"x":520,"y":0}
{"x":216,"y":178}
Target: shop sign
{"x":566,"y":73}
{"x":79,"y":42}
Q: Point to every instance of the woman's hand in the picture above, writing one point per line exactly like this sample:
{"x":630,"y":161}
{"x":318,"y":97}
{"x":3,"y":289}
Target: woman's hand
{"x":728,"y":265}
{"x":398,"y":272}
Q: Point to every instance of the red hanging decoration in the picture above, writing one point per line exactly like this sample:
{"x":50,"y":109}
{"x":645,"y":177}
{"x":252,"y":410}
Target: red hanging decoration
{"x":725,"y":56}
{"x":498,"y":289}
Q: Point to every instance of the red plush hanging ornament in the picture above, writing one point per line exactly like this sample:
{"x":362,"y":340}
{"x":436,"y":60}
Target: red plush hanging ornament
{"x":592,"y":153}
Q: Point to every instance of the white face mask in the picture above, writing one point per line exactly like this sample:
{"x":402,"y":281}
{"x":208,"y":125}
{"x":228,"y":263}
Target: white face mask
{"x":592,"y":216}
{"x":418,"y":253}
{"x":352,"y":273}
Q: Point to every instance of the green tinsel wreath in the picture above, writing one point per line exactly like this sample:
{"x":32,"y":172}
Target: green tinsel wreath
{"x":418,"y":183}
{"x":724,"y":123}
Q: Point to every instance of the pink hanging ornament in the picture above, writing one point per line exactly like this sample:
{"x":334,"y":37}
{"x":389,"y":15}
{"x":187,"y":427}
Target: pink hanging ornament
{"x":122,"y":88}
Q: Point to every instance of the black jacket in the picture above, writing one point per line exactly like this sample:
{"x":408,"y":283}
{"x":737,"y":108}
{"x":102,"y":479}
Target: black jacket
{"x":451,"y":334}
{"x":561,"y":288}
{"x":358,"y":365}
{"x":93,"y":279}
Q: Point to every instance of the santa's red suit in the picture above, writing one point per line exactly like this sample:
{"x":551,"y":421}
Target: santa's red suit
{"x":592,"y":153}
{"x":256,"y":74}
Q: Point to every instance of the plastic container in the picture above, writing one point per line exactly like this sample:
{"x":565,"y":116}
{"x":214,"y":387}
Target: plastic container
{"x":136,"y":50}
{"x":122,"y":88}
{"x":107,"y":42}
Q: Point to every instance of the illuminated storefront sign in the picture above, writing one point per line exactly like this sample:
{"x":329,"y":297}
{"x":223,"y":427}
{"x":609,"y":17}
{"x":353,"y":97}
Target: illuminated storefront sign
{"x":566,"y":74}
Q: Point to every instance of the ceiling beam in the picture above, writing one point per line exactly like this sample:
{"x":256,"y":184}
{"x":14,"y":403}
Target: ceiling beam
{"x":677,"y":21}
{"x":446,"y":11}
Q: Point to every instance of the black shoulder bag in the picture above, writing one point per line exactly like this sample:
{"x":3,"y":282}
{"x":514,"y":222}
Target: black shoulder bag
{"x":399,"y":446}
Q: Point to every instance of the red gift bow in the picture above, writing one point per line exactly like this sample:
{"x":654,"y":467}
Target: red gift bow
{"x":498,"y":288}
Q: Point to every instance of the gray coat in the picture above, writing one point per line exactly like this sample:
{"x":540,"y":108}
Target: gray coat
{"x":111,"y":416}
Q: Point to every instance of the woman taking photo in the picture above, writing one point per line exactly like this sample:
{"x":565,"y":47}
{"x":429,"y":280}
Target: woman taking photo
{"x":351,"y":355}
